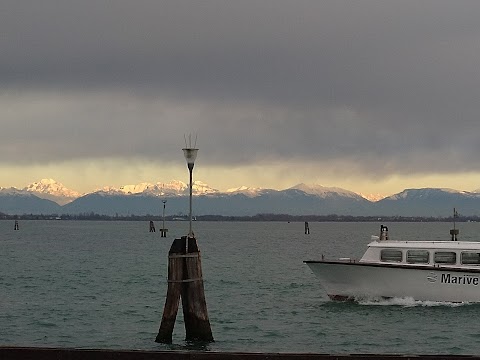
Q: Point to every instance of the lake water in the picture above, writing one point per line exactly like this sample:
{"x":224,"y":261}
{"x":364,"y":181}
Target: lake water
{"x":89,"y":284}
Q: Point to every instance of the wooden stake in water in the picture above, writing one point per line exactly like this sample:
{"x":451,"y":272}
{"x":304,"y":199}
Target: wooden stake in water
{"x":152,"y":226}
{"x":195,"y":314}
{"x":185,"y":280}
{"x":174,"y":290}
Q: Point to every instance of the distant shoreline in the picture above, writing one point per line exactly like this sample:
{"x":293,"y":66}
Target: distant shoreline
{"x":257,"y":217}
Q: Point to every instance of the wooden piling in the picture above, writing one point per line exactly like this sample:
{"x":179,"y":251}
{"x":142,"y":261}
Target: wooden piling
{"x":152,"y":226}
{"x":185,"y":280}
{"x":454,"y":233}
{"x":174,"y":290}
{"x":195,"y":314}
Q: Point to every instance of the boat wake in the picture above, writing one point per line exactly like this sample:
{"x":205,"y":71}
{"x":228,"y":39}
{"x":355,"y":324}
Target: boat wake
{"x":407,"y":302}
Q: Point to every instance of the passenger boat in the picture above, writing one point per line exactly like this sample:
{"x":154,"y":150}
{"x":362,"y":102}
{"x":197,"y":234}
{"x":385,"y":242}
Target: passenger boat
{"x":444,"y":271}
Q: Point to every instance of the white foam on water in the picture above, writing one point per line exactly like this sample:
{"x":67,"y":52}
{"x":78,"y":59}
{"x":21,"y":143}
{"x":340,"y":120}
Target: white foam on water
{"x":407,"y":302}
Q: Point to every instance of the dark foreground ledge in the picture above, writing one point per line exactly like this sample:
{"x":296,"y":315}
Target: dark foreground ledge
{"x":26,"y":353}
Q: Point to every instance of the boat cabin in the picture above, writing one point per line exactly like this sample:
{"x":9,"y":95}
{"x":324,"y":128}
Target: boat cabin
{"x":427,"y":252}
{"x":433,"y":253}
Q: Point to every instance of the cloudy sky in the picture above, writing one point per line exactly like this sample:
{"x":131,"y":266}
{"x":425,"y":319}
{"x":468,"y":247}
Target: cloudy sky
{"x":372,"y":96}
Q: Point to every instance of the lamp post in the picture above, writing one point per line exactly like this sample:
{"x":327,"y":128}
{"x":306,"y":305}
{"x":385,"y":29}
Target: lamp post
{"x":163,"y":230}
{"x":185,"y":281}
{"x":190,"y":155}
{"x":164,"y":202}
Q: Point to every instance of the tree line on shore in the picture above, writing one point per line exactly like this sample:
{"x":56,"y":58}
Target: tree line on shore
{"x":257,"y":217}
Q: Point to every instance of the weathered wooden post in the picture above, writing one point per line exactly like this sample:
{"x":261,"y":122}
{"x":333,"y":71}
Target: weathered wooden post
{"x":152,"y":226}
{"x":185,"y":280}
{"x":195,"y":314}
{"x":174,"y":290}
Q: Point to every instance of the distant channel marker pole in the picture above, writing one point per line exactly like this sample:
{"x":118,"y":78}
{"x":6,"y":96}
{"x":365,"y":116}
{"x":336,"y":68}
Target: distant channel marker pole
{"x":185,"y":280}
{"x":163,"y":230}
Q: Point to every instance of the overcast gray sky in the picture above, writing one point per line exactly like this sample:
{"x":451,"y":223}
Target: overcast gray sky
{"x":373,"y":96}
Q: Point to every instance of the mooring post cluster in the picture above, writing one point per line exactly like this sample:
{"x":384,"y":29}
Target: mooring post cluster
{"x":151,"y":226}
{"x":185,"y":281}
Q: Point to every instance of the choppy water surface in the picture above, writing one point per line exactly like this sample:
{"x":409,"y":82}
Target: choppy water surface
{"x":103,"y":285}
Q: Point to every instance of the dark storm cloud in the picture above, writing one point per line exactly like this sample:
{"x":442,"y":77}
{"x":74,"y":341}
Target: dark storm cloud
{"x":390,"y":86}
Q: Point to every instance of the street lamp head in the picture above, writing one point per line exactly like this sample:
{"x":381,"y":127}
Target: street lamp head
{"x":190,"y":155}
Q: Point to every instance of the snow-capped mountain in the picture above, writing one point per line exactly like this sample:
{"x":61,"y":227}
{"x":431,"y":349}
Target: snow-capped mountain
{"x":324,"y":191}
{"x":302,"y":199}
{"x":12,"y":191}
{"x":52,"y":190}
{"x":429,"y":202}
{"x":245,"y":190}
{"x":174,"y":187}
{"x":157,"y":189}
{"x":16,"y":201}
{"x":47,"y":189}
{"x":372,"y":197}
{"x":427,"y":193}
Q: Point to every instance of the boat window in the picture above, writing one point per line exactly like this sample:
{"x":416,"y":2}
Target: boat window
{"x":391,"y":255}
{"x":470,"y":258}
{"x":445,"y":257}
{"x":417,"y":256}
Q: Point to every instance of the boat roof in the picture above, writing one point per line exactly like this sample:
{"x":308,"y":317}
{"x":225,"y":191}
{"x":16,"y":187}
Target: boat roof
{"x":427,"y":244}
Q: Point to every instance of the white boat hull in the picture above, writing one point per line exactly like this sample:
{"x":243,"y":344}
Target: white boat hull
{"x":350,"y":280}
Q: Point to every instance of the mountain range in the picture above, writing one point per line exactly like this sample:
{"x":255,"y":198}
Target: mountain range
{"x":50,"y":197}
